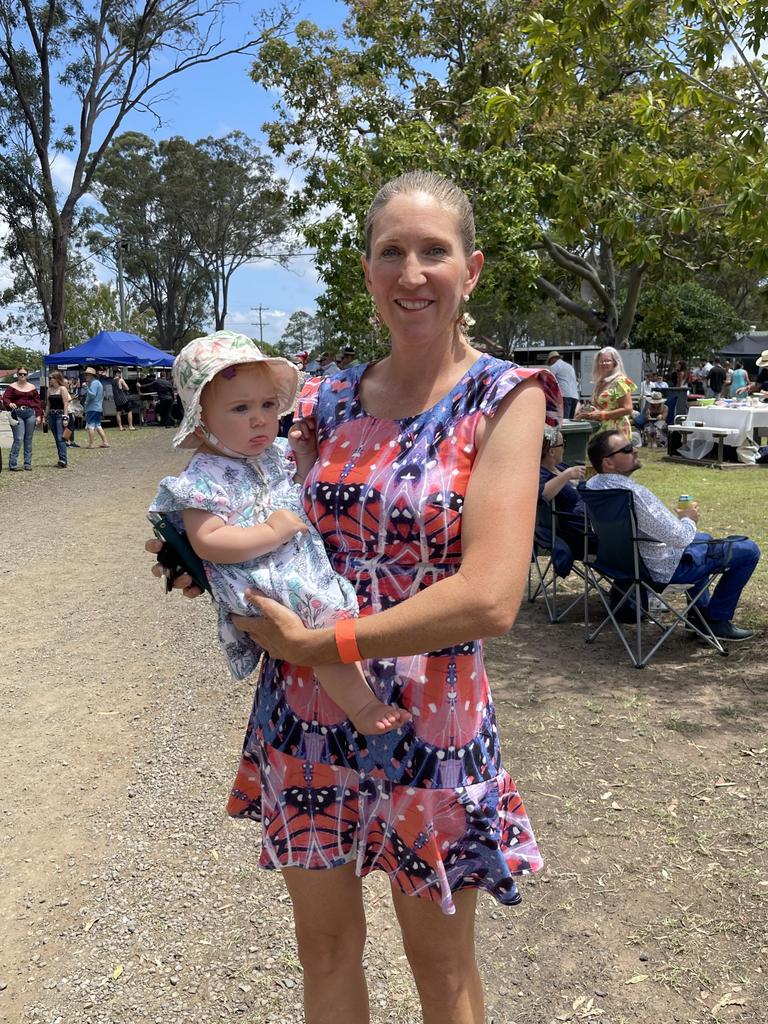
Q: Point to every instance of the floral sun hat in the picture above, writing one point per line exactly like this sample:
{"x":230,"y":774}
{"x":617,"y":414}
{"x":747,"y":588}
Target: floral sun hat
{"x":199,"y":362}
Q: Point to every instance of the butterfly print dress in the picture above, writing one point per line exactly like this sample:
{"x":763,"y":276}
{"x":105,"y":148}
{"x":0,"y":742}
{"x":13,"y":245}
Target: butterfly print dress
{"x":430,"y":803}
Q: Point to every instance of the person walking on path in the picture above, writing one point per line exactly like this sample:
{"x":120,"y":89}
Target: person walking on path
{"x":22,"y":400}
{"x":57,"y":413}
{"x":405,"y":494}
{"x":565,"y":375}
{"x":94,"y":403}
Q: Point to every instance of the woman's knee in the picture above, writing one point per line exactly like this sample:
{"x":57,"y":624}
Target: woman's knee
{"x":327,"y":946}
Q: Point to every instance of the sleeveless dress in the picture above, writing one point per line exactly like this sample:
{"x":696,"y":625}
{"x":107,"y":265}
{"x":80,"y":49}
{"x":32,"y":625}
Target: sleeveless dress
{"x":430,"y":804}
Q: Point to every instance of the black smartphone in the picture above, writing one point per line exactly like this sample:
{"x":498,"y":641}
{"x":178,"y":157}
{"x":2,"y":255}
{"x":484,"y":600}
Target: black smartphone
{"x":177,"y":554}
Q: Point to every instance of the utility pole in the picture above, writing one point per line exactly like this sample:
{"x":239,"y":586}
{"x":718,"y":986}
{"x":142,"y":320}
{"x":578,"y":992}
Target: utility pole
{"x":260,"y":309}
{"x":121,"y":248}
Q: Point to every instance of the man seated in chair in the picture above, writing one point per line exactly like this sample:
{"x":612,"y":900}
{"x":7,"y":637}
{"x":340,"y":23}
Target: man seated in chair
{"x":680,"y":554}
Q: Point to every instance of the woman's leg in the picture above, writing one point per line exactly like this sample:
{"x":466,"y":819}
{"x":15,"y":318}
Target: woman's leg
{"x":17,"y":428}
{"x":130,"y":419}
{"x":56,"y":427}
{"x":29,"y":430}
{"x":330,"y":931}
{"x":119,"y":418}
{"x":441,"y":952}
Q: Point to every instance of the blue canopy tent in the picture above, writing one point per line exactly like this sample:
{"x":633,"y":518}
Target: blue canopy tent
{"x":111,"y":348}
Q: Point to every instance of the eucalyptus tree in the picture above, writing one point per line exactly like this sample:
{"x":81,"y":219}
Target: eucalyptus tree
{"x":111,"y":58}
{"x":141,"y":198}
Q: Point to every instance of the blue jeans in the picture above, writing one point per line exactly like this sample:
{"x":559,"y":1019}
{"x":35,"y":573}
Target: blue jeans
{"x":700,"y":559}
{"x":56,"y":427}
{"x":23,"y":428}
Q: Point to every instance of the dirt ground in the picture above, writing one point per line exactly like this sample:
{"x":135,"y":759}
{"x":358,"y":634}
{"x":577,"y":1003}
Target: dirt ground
{"x":126,"y":895}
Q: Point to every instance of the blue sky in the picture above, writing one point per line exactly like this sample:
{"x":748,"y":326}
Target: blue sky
{"x":214,"y":100}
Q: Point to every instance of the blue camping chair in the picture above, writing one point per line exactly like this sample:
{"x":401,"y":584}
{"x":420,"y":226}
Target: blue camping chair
{"x":557,"y":537}
{"x":618,"y":562}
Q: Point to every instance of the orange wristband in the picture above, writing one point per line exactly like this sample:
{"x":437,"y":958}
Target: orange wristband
{"x":346,"y":641}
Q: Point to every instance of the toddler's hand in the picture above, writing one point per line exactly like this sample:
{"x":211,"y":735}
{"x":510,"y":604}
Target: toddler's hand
{"x":286,"y":524}
{"x":302,"y":437}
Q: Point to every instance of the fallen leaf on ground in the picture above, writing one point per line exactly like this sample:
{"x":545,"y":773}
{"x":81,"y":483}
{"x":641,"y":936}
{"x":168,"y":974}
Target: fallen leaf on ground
{"x":117,"y":972}
{"x":637,"y":979}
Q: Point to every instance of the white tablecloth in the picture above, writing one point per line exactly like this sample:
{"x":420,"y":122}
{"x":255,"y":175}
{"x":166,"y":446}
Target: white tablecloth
{"x":744,"y":420}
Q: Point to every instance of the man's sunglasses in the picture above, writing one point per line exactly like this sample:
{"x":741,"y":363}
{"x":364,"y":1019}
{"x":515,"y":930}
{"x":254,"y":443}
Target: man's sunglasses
{"x":626,"y":450}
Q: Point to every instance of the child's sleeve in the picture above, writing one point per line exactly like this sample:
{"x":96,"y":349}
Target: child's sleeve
{"x":188,"y":490}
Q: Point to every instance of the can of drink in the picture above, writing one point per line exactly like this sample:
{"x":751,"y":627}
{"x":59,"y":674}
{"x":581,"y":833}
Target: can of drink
{"x":685,"y":501}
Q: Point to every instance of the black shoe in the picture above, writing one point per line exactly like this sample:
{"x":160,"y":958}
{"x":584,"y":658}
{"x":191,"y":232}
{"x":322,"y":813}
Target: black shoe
{"x":61,"y":464}
{"x":732,"y":634}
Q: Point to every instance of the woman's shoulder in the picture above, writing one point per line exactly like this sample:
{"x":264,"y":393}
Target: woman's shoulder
{"x":495,"y":378}
{"x":330,"y":397}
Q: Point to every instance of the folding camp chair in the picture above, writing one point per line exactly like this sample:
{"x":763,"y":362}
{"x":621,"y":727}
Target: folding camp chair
{"x":618,"y":562}
{"x":560,"y":560}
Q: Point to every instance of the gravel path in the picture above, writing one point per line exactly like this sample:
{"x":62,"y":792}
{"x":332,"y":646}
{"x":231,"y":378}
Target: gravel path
{"x":128,"y":897}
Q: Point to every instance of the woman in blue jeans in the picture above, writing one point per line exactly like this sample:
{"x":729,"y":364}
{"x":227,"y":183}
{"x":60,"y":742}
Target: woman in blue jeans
{"x":22,"y":400}
{"x":56,"y":414}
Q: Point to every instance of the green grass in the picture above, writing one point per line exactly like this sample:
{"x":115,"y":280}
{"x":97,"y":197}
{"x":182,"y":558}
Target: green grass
{"x":44,"y":456}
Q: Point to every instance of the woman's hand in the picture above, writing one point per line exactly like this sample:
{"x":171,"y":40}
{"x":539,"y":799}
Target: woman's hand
{"x":183,"y":582}
{"x":277,"y":629}
{"x":574,"y":472}
{"x":589,"y":414}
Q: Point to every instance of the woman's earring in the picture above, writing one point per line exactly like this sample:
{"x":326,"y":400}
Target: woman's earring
{"x":464,"y":320}
{"x":375,"y":321}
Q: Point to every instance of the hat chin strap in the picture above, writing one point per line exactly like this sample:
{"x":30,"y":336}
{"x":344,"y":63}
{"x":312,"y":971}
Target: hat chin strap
{"x":214,"y":442}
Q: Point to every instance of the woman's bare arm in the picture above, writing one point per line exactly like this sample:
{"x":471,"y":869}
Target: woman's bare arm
{"x":483,"y":597}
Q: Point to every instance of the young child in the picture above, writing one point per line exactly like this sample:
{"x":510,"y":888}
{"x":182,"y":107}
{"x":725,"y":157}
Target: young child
{"x":239,"y":501}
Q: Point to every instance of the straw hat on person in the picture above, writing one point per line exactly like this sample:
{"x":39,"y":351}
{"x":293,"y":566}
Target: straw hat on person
{"x":655,"y":398}
{"x":199,"y":362}
{"x":763,"y":360}
{"x":89,"y":369}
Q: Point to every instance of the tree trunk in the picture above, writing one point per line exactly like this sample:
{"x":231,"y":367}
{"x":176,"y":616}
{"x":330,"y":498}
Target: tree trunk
{"x":58,"y":277}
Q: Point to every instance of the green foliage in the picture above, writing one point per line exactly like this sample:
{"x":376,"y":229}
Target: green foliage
{"x":684,"y":320}
{"x":12,"y":356}
{"x":304,"y":333}
{"x":401,"y":91}
{"x":94,"y":306}
{"x":141,"y":195}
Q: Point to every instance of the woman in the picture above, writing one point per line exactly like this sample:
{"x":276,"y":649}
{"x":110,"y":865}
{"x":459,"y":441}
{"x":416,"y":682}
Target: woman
{"x":122,"y":395}
{"x":611,"y":394}
{"x":739,"y":381}
{"x":57,"y":413}
{"x":655,"y":426}
{"x":556,"y":480}
{"x":405,"y":493}
{"x":22,"y":399}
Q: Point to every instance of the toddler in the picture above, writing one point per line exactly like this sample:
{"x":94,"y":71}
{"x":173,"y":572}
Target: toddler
{"x":239,"y":502}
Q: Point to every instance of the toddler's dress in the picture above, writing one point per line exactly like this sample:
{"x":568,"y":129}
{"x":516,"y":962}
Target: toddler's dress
{"x":244,"y":492}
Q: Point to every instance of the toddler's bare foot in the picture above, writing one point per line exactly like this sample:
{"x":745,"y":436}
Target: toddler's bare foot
{"x":374,"y":718}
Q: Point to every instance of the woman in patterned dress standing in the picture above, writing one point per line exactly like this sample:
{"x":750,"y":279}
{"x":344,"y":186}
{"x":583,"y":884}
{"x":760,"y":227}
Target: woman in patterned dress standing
{"x":424,"y":492}
{"x":611,"y":394}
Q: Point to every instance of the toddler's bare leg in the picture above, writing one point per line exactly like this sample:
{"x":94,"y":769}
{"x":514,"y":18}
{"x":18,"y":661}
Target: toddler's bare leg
{"x":346,"y":686}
